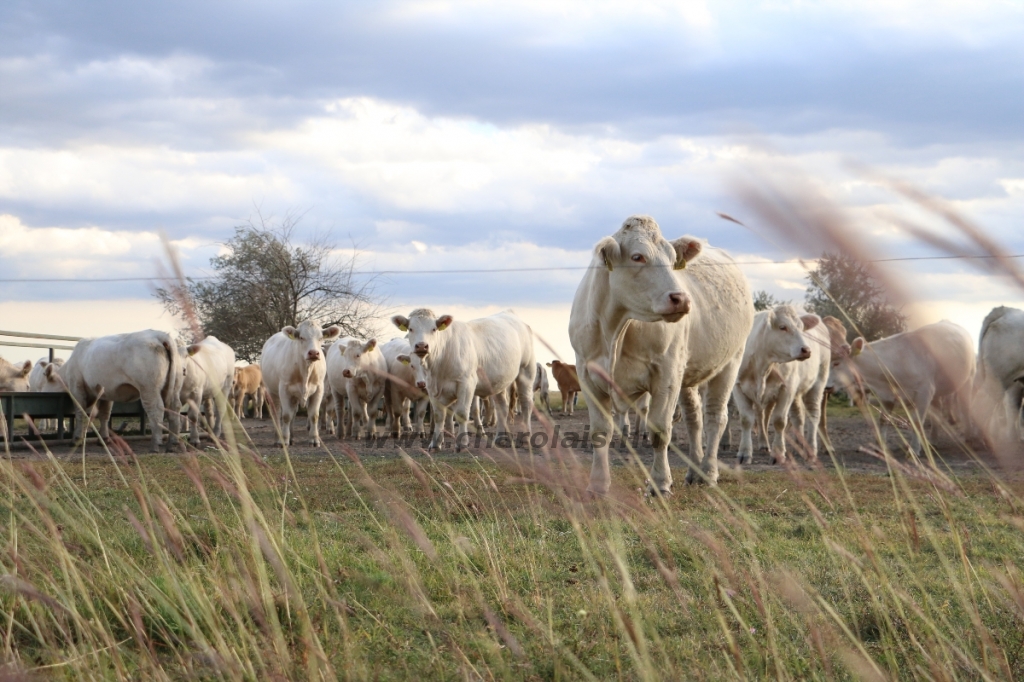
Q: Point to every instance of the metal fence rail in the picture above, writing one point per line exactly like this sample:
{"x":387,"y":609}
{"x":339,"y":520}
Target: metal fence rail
{"x":31,"y":335}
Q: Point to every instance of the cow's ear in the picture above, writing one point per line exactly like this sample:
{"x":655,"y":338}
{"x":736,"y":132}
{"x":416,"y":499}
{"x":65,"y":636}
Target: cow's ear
{"x":370,"y":345}
{"x":332,"y":332}
{"x":401,"y":321}
{"x":50,"y":370}
{"x":443,"y":322}
{"x":404,"y":359}
{"x":810,"y":321}
{"x":193,"y":349}
{"x":548,"y":364}
{"x":290,"y":332}
{"x":857,"y":347}
{"x":608,"y":251}
{"x":686,"y":250}
{"x":26,"y":368}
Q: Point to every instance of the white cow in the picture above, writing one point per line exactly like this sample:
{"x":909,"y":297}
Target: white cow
{"x":363,"y":369}
{"x":1001,"y":368}
{"x":912,"y":368}
{"x":37,"y":383}
{"x":649,"y":322}
{"x":785,"y":364}
{"x":401,"y":391}
{"x":293,"y":369}
{"x":14,"y":377}
{"x":336,"y":384}
{"x":37,"y":378}
{"x":123,"y":368}
{"x":456,"y":361}
{"x":209,"y":374}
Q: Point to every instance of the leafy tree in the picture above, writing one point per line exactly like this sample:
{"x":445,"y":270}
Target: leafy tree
{"x":764,"y":300}
{"x":842,"y":287}
{"x":265,"y":282}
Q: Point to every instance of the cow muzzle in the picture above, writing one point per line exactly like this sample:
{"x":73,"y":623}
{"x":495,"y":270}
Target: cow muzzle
{"x":421,"y":349}
{"x":313,"y":355}
{"x":677,"y":304}
{"x":347,"y":373}
{"x":422,"y":385}
{"x":805,"y":353}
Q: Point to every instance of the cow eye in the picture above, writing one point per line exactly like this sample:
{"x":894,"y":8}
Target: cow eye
{"x":638,"y":258}
{"x":783,"y":328}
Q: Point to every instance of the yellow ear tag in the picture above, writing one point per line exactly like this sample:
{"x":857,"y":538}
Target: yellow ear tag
{"x":403,"y":328}
{"x":680,"y":267}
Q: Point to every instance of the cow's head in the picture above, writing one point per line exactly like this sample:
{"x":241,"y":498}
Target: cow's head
{"x":425,"y":330}
{"x":15,"y":377}
{"x":783,"y":339}
{"x":836,"y":338}
{"x":844,"y":372}
{"x":310,"y":338}
{"x":642,"y":267}
{"x":52,"y":380}
{"x":353,"y":357}
{"x":419,"y":368}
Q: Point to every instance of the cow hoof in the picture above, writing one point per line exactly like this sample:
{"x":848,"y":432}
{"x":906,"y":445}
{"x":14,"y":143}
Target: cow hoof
{"x":744,"y":459}
{"x":778,"y":460}
{"x":693,"y":477}
{"x":595,"y":494}
{"x":655,"y":491}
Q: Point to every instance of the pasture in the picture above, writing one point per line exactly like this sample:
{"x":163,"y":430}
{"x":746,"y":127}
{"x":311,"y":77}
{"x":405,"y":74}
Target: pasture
{"x":378,"y":562}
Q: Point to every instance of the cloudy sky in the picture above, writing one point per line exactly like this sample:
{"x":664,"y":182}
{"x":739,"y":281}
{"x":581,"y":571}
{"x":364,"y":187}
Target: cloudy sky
{"x":463,"y":135}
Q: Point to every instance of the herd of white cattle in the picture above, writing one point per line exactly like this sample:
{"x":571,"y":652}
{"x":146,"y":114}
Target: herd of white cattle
{"x":655,"y":324}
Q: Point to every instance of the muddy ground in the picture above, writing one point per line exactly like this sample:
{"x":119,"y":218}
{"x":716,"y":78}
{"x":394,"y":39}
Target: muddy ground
{"x":849,"y":432}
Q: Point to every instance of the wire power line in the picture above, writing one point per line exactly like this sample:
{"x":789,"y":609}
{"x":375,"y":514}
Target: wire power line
{"x":473,"y":271}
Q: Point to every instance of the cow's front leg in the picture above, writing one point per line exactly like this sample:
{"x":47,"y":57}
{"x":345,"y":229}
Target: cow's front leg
{"x":313,"y":416}
{"x":693,"y":409}
{"x":780,"y":420}
{"x":748,"y":414}
{"x":659,"y":422}
{"x":463,"y":405}
{"x":438,"y":415}
{"x":599,"y":405}
{"x":716,"y":407}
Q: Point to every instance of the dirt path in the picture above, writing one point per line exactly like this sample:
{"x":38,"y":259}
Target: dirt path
{"x":849,"y":434}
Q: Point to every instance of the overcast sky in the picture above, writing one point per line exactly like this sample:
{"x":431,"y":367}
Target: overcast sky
{"x":462,"y":135}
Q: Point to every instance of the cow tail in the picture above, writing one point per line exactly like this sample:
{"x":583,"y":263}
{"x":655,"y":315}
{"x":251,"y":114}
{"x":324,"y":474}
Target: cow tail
{"x":172,"y":381}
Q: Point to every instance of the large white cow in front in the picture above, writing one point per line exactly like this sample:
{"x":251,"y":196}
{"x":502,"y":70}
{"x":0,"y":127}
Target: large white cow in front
{"x":1001,"y":369}
{"x":123,"y":368}
{"x":209,"y":373}
{"x":456,"y":361}
{"x":785,"y":364}
{"x":913,"y":368}
{"x":649,"y":320}
{"x":293,"y":369}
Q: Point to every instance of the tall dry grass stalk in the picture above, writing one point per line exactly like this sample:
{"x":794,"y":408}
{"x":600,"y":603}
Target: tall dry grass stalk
{"x":224,"y":564}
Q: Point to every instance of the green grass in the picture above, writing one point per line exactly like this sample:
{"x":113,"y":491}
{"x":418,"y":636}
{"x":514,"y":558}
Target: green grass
{"x":227,"y":567}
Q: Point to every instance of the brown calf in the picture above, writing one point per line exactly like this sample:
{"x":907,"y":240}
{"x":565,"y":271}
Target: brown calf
{"x":568,"y":383}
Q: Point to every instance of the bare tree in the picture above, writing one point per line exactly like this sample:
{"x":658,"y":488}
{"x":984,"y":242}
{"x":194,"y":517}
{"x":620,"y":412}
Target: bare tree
{"x":265,"y":282}
{"x":842,"y":287}
{"x":764,"y":300}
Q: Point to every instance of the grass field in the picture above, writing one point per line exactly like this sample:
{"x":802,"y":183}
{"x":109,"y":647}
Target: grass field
{"x":223,"y":565}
